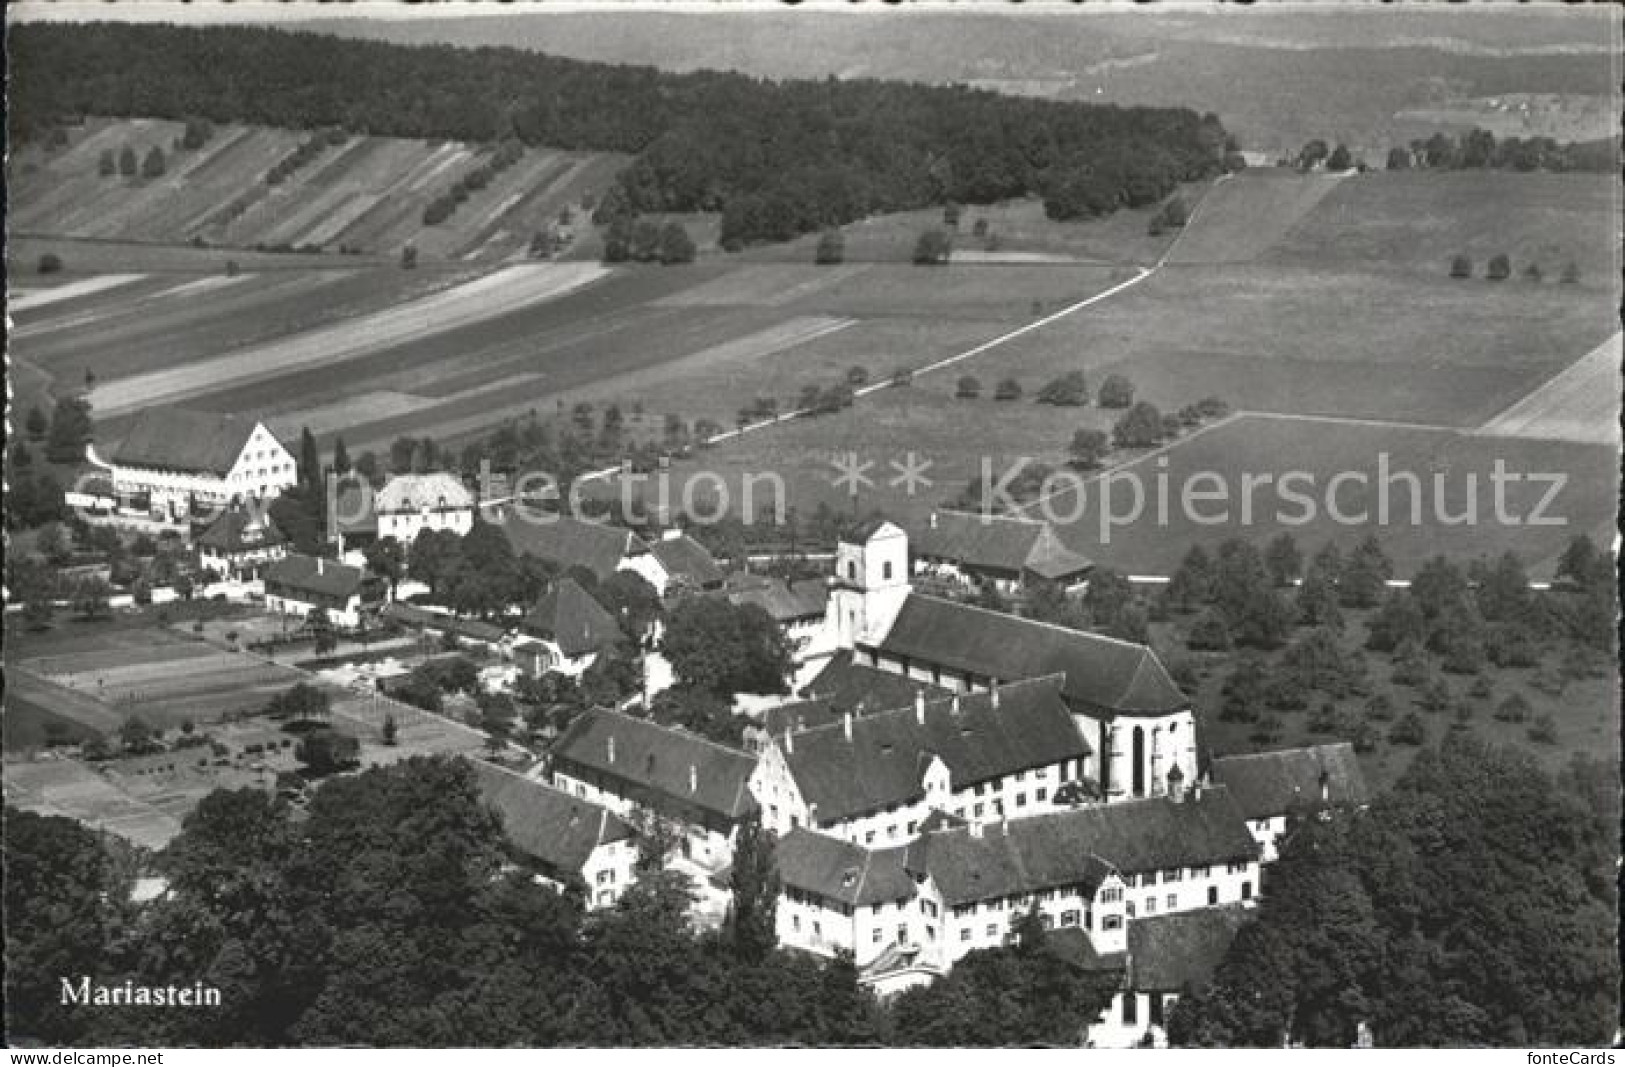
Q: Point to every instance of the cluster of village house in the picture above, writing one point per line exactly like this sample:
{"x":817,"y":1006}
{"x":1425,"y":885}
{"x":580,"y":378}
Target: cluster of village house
{"x":940,"y":769}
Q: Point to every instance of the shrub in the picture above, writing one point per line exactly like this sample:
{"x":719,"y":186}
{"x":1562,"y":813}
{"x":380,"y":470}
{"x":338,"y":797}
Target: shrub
{"x":857,"y":377}
{"x":1461,"y":267}
{"x":1500,"y":268}
{"x":1514,"y":709}
{"x":969,"y":388}
{"x":831,"y":248}
{"x":1069,"y":390}
{"x":1380,"y":708}
{"x":1007,"y":389}
{"x":1544,"y":730}
{"x":1089,"y":448}
{"x":933,"y":248}
{"x":1116,"y":392}
{"x":50,"y":263}
{"x":1409,"y":730}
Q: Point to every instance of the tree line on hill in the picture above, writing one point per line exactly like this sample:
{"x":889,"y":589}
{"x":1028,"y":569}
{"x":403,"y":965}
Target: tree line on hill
{"x":1479,"y":149}
{"x":394,"y":911}
{"x":777,"y":159}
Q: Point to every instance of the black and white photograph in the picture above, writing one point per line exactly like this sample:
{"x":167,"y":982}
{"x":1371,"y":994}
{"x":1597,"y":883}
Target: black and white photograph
{"x":597,"y":525}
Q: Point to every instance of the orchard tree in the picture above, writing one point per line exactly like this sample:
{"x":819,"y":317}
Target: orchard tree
{"x":127,"y":162}
{"x":1116,"y":392}
{"x":831,"y":248}
{"x":968,"y":388}
{"x":1090,"y":448}
{"x":1500,"y":268}
{"x":933,"y":248}
{"x":1141,"y":427}
{"x":153,"y":165}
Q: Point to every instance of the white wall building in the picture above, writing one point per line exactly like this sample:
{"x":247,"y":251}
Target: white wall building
{"x":183,"y":461}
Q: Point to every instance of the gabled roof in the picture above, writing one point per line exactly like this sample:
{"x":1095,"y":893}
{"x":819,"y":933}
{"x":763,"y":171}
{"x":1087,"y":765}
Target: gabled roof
{"x":412,"y":615}
{"x":841,"y":871}
{"x":883,"y":764}
{"x":786,"y":603}
{"x":800,"y":715}
{"x":1268,"y":784}
{"x":569,"y":615}
{"x":311,"y":574}
{"x":1102,"y":673}
{"x":414,"y":492}
{"x":844,"y":684}
{"x":683,"y":557}
{"x":868,"y":528}
{"x":178,"y":439}
{"x":548,"y":825}
{"x":662,"y":761}
{"x":237,"y":531}
{"x":1168,"y":952}
{"x":996,"y":542}
{"x":570,"y":542}
{"x":1081,"y":845}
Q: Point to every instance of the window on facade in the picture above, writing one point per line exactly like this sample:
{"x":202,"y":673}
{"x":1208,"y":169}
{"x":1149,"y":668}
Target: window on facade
{"x":978,"y":810}
{"x":1201,"y":872}
{"x":1212,"y":894}
{"x":1069,"y":918}
{"x":902,"y":934}
{"x":992,"y":929}
{"x":878,"y":935}
{"x":959,"y":813}
{"x":1156,"y":1009}
{"x":869,"y":838}
{"x":1246,"y":891}
{"x":1021,"y":800}
{"x":605,"y":877}
{"x":885,"y":570}
{"x":1172,"y":874}
{"x":913,"y":824}
{"x":979,"y":787}
{"x":1111,"y":922}
{"x":818,"y":930}
{"x":1042,"y":795}
{"x":605,"y":896}
{"x":1150,"y":905}
{"x":964,"y":935}
{"x":795,"y":923}
{"x":1021,"y":775}
{"x":1111,"y":894}
{"x":1173,"y":901}
{"x":1048,"y":921}
{"x":1129,"y":909}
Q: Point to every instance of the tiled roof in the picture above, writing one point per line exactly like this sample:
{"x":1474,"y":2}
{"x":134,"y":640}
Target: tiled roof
{"x":310,"y":574}
{"x":1072,"y":944}
{"x":841,"y":871}
{"x":570,"y":542}
{"x":548,"y":825}
{"x":1079,"y":845}
{"x":237,"y":531}
{"x":1102,"y":673}
{"x":883,"y":764}
{"x":569,"y":615}
{"x":181,"y":440}
{"x":683,"y":557}
{"x":785,"y":603}
{"x":1168,"y":952}
{"x":996,"y":543}
{"x":1267,"y":784}
{"x":799,"y":715}
{"x":412,"y":615}
{"x":662,"y":761}
{"x":867,"y":529}
{"x":414,"y":492}
{"x":845,"y":684}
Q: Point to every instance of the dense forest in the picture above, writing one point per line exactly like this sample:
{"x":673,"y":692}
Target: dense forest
{"x":776,"y":158}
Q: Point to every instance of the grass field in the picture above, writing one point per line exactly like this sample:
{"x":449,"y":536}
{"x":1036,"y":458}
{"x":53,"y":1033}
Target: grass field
{"x":1581,"y":404}
{"x":1247,"y":213}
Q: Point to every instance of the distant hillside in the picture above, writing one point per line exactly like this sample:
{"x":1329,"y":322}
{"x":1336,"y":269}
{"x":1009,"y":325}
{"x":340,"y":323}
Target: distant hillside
{"x":1276,"y":78}
{"x":362,"y":194}
{"x":777,"y":159}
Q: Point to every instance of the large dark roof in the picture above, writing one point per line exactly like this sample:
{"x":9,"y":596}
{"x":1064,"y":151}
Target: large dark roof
{"x":841,"y":871}
{"x":181,"y":440}
{"x":845,"y":684}
{"x":1168,"y":952}
{"x":883,"y":764}
{"x":554,"y":827}
{"x":1102,"y":673}
{"x":996,"y":543}
{"x":569,"y":615}
{"x":412,"y":615}
{"x":1079,"y":845}
{"x":799,"y":715}
{"x":660,"y":760}
{"x":310,"y":574}
{"x":570,"y":542}
{"x":1267,"y":784}
{"x":685,"y":558}
{"x":237,"y":531}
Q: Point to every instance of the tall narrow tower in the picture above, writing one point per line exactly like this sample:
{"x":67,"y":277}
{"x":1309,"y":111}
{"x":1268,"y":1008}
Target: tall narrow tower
{"x":871,"y":583}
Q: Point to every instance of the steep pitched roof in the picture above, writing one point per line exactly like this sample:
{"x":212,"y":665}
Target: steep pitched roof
{"x":1167,"y":952}
{"x":841,"y":871}
{"x":569,"y":615}
{"x":800,"y":715}
{"x":663,"y":761}
{"x":883,"y":764}
{"x":237,"y":531}
{"x":1102,"y":673}
{"x":548,"y":825}
{"x":1267,"y":784}
{"x":310,"y":574}
{"x":866,"y":529}
{"x":570,"y":542}
{"x":683,"y":557}
{"x":996,"y":542}
{"x":414,"y":492}
{"x":784,"y":602}
{"x":845,"y":684}
{"x":1080,"y":845}
{"x":182,"y":440}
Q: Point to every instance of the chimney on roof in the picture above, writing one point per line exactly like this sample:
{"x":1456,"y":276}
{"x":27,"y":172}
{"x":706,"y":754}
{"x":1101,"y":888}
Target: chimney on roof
{"x":790,"y":738}
{"x":671,"y":533}
{"x":321,"y":564}
{"x":693,"y":778}
{"x":846,"y":724}
{"x":993,"y":693}
{"x":919,"y":706}
{"x":611,"y":747}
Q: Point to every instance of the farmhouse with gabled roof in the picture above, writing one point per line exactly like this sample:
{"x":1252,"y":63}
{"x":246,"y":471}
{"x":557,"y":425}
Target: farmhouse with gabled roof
{"x":175,"y":458}
{"x":1004,"y":552}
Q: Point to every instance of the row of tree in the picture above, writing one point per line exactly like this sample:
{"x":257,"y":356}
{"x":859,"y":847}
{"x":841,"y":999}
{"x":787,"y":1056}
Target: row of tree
{"x":776,"y":159}
{"x":1478,"y":149}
